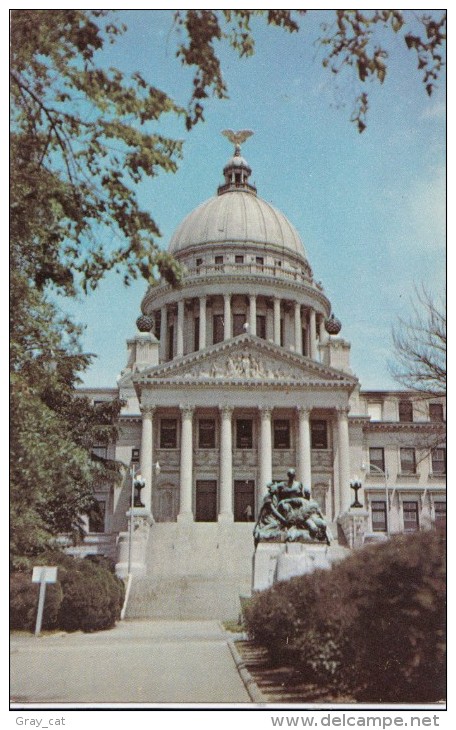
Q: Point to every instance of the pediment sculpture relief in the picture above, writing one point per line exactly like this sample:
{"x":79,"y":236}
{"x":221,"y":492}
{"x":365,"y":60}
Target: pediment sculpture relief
{"x":242,"y":365}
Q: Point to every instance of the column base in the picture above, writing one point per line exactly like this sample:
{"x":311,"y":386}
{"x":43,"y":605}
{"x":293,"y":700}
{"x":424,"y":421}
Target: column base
{"x":225,"y":517}
{"x":185,"y":517}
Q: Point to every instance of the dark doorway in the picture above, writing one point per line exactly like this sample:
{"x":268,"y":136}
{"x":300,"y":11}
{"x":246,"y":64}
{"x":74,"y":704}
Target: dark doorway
{"x":244,"y":498}
{"x":206,"y":500}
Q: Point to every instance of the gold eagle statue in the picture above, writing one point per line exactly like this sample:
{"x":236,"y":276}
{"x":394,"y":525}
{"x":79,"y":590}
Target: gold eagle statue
{"x":237,"y":138}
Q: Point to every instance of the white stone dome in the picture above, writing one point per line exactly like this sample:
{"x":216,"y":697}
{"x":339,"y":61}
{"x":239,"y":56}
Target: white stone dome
{"x":237,"y":216}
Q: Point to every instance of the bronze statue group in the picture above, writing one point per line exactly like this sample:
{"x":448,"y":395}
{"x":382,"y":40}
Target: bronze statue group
{"x":289,"y":514}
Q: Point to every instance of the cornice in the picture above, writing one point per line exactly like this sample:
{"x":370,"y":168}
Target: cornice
{"x":201,"y":280}
{"x":401,"y":426}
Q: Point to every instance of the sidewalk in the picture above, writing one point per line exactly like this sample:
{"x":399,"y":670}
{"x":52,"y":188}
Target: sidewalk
{"x":136,"y":662}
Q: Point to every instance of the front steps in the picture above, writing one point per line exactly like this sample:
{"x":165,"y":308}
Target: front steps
{"x":198,"y":570}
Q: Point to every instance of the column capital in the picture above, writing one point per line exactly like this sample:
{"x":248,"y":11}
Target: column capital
{"x":186,"y":410}
{"x":342,"y":411}
{"x":226,"y":411}
{"x":265,"y":411}
{"x":147,"y":410}
{"x":303,"y":411}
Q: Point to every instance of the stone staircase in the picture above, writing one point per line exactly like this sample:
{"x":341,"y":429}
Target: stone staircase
{"x":198,"y":571}
{"x":194,"y":571}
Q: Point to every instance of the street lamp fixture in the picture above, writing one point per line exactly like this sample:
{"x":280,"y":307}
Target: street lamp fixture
{"x":356,"y":485}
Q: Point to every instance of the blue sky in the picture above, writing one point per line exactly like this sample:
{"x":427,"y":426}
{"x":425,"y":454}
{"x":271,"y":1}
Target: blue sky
{"x":370,"y":208}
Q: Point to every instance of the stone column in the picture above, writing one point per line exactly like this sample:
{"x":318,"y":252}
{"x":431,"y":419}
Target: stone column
{"x":202,"y":324}
{"x":227,"y":330}
{"x":313,"y":334}
{"x":180,"y":328}
{"x":147,"y":454}
{"x":344,"y":459}
{"x":297,"y":328}
{"x":304,"y":453}
{"x":276,"y":321}
{"x":226,"y":466}
{"x":252,"y":314}
{"x":186,"y":464}
{"x":163,"y":332}
{"x":265,"y":455}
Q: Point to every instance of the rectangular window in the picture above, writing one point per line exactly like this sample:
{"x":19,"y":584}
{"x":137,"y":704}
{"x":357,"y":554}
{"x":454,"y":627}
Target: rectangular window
{"x":281,"y":434}
{"x":376,"y":459}
{"x":261,"y":326}
{"x":438,"y":461}
{"x":199,"y":263}
{"x":440,"y":514}
{"x":218,"y":328}
{"x":244,"y":433}
{"x":135,"y":456}
{"x":196,"y":334}
{"x":206,"y":433}
{"x":218,"y":261}
{"x":157,"y":325}
{"x":319,"y":434}
{"x":378,"y":509}
{"x":406,"y":411}
{"x":100,"y":451}
{"x":238,"y":259}
{"x":408,"y":461}
{"x":170,"y":342}
{"x":168,"y":433}
{"x":259,"y":260}
{"x":239,"y":321}
{"x":374,"y":410}
{"x":411,"y":520}
{"x":436,"y":412}
{"x":97,"y":517}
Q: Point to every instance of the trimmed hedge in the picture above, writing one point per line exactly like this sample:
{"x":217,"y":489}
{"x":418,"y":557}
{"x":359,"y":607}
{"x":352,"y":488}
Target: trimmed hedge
{"x":87,"y":596}
{"x":374,"y":624}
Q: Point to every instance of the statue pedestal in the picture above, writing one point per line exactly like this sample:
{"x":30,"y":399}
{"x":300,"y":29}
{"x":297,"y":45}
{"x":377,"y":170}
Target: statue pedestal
{"x":276,"y":561}
{"x":134,"y":544}
{"x":354,"y":525}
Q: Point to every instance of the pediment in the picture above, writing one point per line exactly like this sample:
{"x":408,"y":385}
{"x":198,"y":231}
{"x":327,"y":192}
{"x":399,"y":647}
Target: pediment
{"x":248,"y":360}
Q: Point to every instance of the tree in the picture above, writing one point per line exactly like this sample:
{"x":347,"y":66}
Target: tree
{"x":420,"y":346}
{"x":355,"y":39}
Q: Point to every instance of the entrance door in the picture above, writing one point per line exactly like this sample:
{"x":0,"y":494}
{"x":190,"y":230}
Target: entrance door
{"x":244,"y":497}
{"x":206,"y":500}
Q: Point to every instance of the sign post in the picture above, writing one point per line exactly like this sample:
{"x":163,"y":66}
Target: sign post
{"x":42,"y":574}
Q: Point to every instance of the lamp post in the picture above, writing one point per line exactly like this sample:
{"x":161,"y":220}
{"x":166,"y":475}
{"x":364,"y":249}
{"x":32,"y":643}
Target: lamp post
{"x":384,"y":474}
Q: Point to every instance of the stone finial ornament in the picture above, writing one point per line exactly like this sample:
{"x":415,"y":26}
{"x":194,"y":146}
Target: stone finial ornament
{"x":333,"y":325}
{"x":144,"y":323}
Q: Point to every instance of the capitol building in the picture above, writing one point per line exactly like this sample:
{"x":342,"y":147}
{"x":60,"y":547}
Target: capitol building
{"x":233,"y":377}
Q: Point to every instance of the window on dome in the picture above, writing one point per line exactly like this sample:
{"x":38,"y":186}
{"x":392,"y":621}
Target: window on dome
{"x":261,"y":326}
{"x":199,"y":263}
{"x":196,"y":333}
{"x":218,"y":328}
{"x":170,"y":342}
{"x":259,"y":260}
{"x":239,"y":259}
{"x":239,"y":321}
{"x":218,"y":261}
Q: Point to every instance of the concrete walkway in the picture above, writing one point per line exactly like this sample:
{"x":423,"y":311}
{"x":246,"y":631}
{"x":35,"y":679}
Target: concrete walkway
{"x":136,"y":662}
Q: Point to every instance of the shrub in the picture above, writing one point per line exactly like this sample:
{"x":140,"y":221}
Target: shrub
{"x":24,"y":602}
{"x":374,"y":622}
{"x":92,"y":598}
